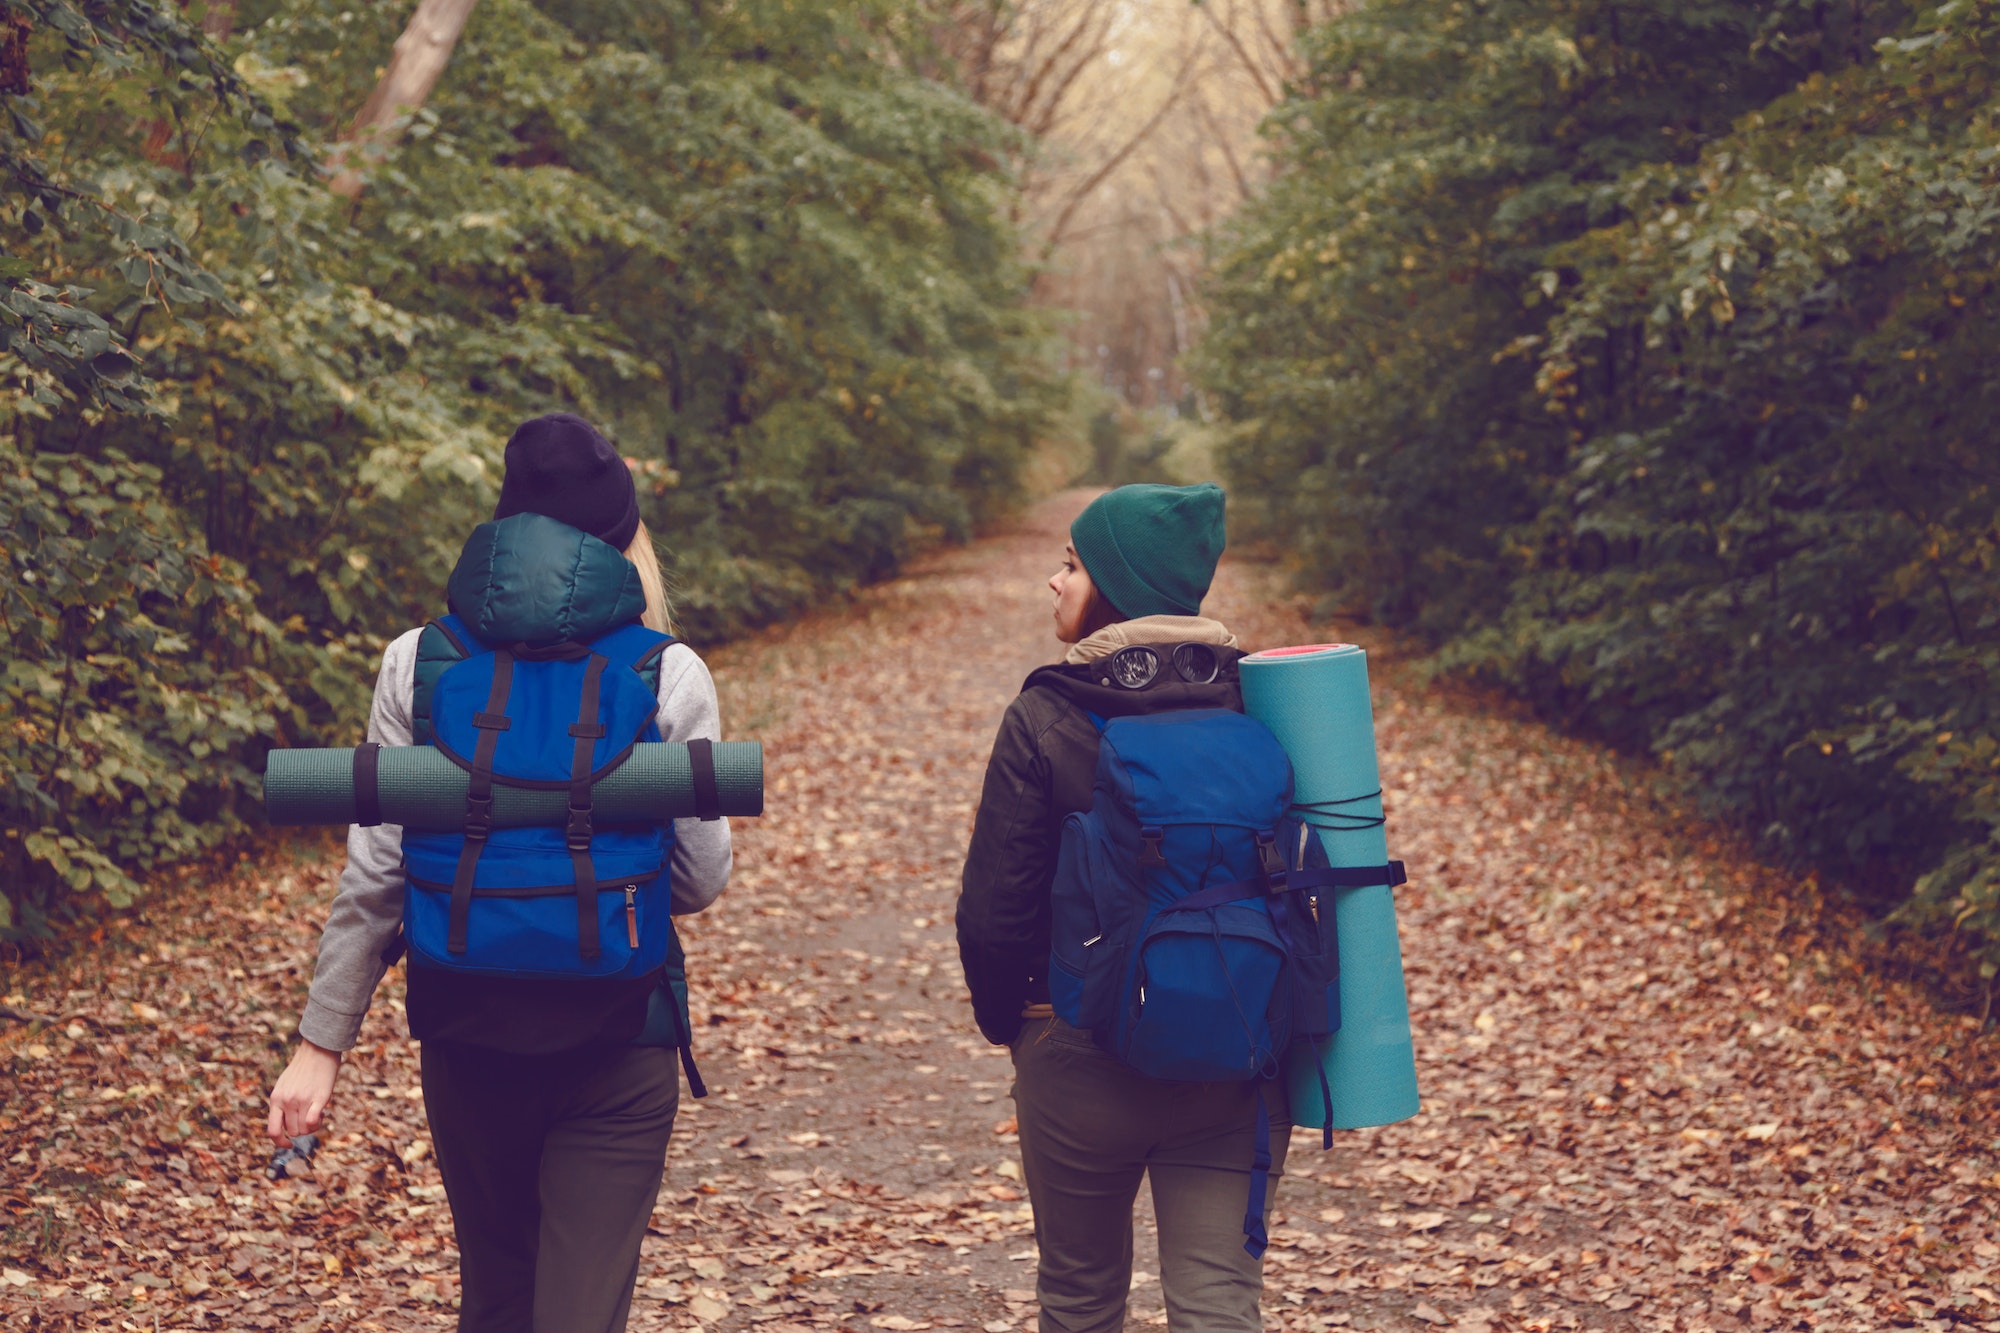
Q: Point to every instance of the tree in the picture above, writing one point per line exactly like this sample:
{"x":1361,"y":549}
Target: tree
{"x":1635,"y":356}
{"x":774,"y":264}
{"x":415,"y":63}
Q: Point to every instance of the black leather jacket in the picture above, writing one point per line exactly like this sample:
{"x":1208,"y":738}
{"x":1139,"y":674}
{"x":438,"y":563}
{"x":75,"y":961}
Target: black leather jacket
{"x":1043,"y":767}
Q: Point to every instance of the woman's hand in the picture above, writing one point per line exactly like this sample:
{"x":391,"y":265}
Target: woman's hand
{"x":302,"y":1093}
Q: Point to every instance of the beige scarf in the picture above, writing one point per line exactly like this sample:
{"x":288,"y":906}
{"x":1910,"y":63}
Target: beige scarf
{"x":1149,"y":629}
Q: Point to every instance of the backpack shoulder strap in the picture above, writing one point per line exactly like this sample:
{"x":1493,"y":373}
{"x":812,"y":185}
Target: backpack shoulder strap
{"x":444,"y":643}
{"x":635,"y":646}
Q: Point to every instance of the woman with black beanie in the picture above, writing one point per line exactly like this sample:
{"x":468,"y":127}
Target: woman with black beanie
{"x":550,"y":1101}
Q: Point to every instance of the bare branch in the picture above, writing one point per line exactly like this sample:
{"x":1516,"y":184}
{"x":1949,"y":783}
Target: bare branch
{"x":1243,"y":56}
{"x":1281,"y":48}
{"x":1117,"y":159}
{"x":1093,"y":17}
{"x":1220,"y":138}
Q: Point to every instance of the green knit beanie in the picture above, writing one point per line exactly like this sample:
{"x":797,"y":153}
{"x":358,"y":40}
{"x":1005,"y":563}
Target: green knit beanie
{"x":1151,"y":550}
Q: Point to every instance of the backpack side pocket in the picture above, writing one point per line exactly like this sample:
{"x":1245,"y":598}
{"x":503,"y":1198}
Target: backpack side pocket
{"x":1073,"y":927}
{"x":1305,"y":922}
{"x":1096,"y":910}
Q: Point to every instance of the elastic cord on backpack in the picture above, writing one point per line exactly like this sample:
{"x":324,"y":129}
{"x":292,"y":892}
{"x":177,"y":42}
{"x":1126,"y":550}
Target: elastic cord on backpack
{"x":1347,"y":821}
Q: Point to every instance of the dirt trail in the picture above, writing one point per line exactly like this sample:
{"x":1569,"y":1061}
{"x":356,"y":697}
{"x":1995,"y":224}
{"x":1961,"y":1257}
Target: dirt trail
{"x":1651,"y":1103}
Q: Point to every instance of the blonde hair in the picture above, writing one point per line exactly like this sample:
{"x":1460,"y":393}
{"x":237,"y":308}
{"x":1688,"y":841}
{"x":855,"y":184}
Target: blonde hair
{"x":659,"y":613}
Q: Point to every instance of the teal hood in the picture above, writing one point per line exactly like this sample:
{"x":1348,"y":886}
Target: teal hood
{"x":530,"y":579}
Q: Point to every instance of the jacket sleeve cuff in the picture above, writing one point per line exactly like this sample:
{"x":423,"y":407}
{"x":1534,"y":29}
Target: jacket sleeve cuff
{"x":999,"y":986}
{"x":329,"y":1029}
{"x":999,"y":1026}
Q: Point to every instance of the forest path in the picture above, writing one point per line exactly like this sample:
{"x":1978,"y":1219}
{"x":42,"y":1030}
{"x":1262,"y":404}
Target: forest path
{"x":1659,"y":1091}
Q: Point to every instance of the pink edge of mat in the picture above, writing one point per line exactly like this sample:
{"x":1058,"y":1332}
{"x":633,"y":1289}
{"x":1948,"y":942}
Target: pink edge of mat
{"x":1299,"y":651}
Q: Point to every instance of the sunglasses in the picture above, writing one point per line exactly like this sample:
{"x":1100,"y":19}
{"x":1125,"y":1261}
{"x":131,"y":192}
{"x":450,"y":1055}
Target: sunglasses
{"x":1136,"y":666}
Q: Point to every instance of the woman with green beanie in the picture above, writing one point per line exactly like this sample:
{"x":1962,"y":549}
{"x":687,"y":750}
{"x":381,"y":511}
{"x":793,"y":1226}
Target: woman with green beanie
{"x":1138,"y":563}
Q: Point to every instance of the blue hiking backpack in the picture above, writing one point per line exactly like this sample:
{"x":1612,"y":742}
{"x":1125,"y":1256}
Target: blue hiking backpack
{"x":1186,"y":931}
{"x":583,"y":901}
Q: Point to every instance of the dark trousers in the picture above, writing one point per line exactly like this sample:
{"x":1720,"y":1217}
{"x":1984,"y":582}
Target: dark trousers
{"x":552,"y":1164}
{"x":1091,"y":1130}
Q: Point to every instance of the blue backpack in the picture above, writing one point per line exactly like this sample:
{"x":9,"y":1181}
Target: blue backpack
{"x":1182,"y":936}
{"x":581,"y":901}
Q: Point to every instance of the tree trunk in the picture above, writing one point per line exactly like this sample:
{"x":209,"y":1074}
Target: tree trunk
{"x":15,"y":29}
{"x":419,"y":57}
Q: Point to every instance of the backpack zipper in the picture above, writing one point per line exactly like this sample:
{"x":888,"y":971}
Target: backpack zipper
{"x":632,"y":915}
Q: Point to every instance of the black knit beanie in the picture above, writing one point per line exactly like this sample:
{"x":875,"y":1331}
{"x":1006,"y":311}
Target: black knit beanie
{"x":559,"y":465}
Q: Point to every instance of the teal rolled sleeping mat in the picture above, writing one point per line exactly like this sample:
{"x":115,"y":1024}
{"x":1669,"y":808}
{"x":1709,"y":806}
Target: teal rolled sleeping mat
{"x":1315,"y":701}
{"x":419,"y":787}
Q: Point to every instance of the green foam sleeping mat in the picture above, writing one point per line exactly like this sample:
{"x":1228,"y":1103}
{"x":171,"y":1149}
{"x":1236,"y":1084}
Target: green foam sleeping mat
{"x":420,"y":788}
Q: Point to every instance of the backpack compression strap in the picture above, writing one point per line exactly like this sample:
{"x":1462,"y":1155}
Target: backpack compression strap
{"x":1348,"y":877}
{"x":588,"y":731}
{"x":707,"y":796}
{"x":1255,"y":1239}
{"x":367,"y":788}
{"x":479,"y":797}
{"x":1335,"y":877}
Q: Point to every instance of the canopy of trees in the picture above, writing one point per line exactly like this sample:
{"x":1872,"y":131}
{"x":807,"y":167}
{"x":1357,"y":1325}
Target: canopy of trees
{"x":1639,"y":355}
{"x":246,"y":420}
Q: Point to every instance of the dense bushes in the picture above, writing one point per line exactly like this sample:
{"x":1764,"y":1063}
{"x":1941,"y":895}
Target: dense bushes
{"x":1638,"y":355}
{"x":778,"y":269}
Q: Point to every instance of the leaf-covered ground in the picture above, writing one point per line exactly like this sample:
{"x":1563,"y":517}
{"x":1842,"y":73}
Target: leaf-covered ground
{"x":1660,"y":1090}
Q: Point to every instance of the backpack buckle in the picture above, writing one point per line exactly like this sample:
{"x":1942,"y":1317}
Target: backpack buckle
{"x":1150,"y":855}
{"x":478,"y":817}
{"x":1269,"y":859}
{"x":576,"y":834}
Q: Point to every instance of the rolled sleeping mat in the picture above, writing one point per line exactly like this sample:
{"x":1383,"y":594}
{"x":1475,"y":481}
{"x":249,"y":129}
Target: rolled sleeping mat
{"x":418,"y":787}
{"x":1315,"y":701}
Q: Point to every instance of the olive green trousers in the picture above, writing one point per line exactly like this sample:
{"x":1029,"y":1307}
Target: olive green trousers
{"x":1091,"y":1129}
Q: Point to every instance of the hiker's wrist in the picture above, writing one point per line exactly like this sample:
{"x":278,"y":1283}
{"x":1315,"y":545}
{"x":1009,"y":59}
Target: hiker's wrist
{"x":307,"y":1044}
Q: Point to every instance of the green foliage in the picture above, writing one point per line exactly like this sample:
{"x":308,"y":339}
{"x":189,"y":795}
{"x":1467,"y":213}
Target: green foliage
{"x":776,"y":268}
{"x":1133,"y":446}
{"x":1637,"y":356}
{"x":57,"y":345}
